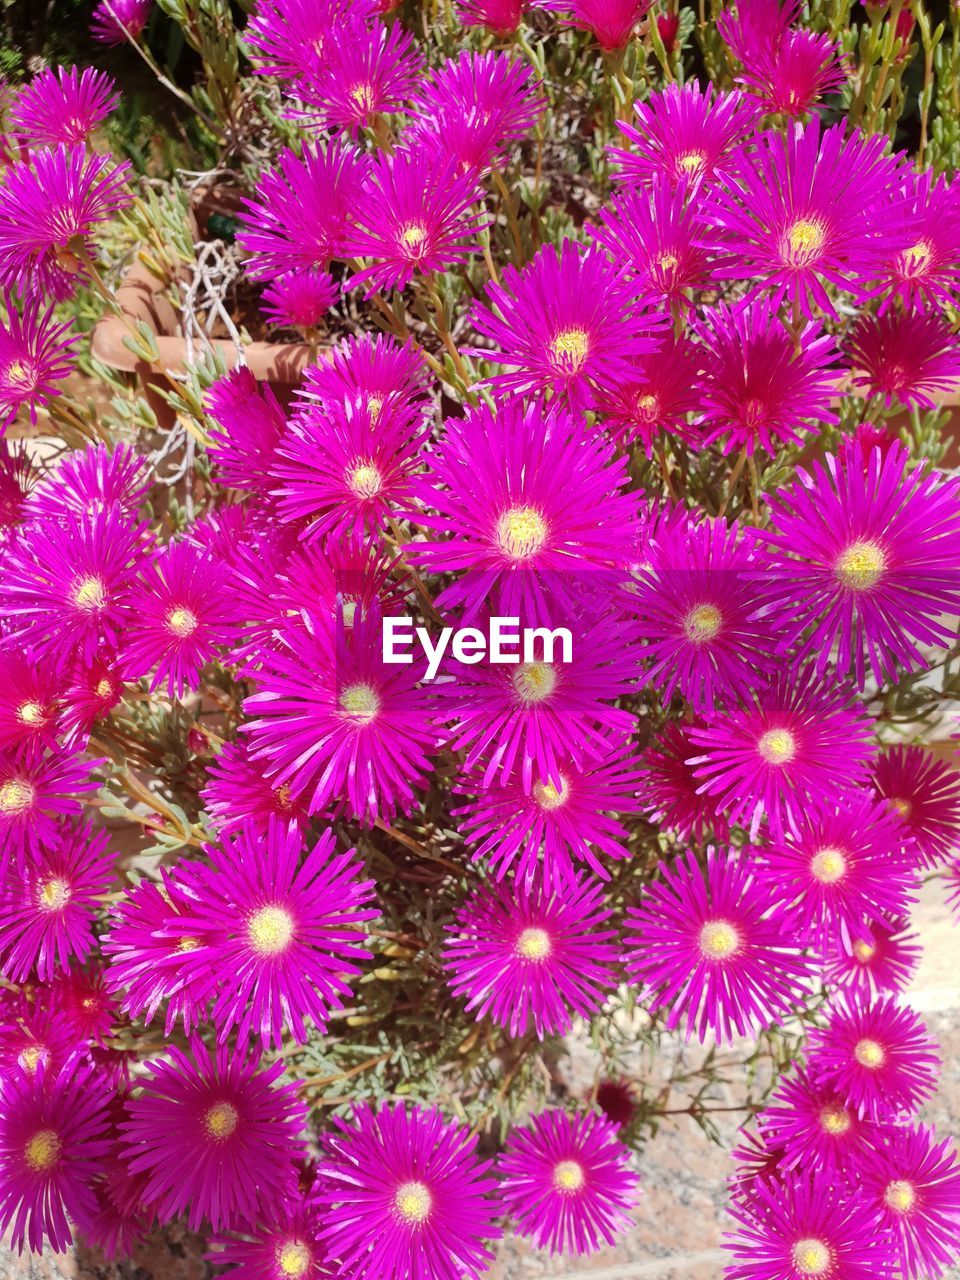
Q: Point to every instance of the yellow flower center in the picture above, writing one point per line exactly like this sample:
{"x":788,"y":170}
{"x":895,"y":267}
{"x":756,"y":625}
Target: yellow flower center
{"x":20,"y":375}
{"x":829,"y":865}
{"x":104,"y":688}
{"x":360,"y":702}
{"x":54,"y":895}
{"x":42,"y":1150}
{"x":667,"y":263}
{"x":413,"y":1202}
{"x":812,"y":1257}
{"x":900,"y":1196}
{"x":413,"y":237}
{"x":362,"y":95}
{"x":869,"y":1054}
{"x":16,"y":796}
{"x":648,"y":407}
{"x":777,"y":746}
{"x":188,"y":943}
{"x":534,"y":944}
{"x":916,"y":259}
{"x":719,"y":939}
{"x":534,"y":681}
{"x":861,"y":565}
{"x":181,"y":622}
{"x":903,"y":808}
{"x":864,"y":950}
{"x":364,"y":480}
{"x":692,"y":162}
{"x":521,"y":532}
{"x":568,"y":1175}
{"x":31,"y":713}
{"x":374,"y":407}
{"x":702,"y":623}
{"x":569,"y":349}
{"x":294,"y":1258}
{"x":835,"y":1121}
{"x":550,"y":797}
{"x":89,"y":594}
{"x":283,"y":797}
{"x":804,"y":240}
{"x":31,"y":1058}
{"x":221,"y":1120}
{"x":270,"y":930}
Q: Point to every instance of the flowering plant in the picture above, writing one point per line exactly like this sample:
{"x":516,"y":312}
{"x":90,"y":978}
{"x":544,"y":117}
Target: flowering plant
{"x":624,"y":322}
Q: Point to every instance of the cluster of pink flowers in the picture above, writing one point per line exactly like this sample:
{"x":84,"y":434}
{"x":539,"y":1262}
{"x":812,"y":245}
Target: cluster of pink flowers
{"x":724,"y":691}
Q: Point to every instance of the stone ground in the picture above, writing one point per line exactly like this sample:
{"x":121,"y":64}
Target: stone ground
{"x":680,"y":1220}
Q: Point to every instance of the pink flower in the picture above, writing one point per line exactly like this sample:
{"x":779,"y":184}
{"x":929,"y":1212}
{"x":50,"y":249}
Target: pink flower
{"x":35,"y":353}
{"x":526,"y":955}
{"x":912,"y":357}
{"x":711,"y":948}
{"x":369,"y":71}
{"x":568,"y":1183}
{"x":611,"y":22}
{"x":114,"y":20}
{"x":62,"y":105}
{"x":248,"y":427}
{"x":657,"y":398}
{"x":502,"y":17}
{"x":924,"y":794}
{"x":214,"y":1134}
{"x":299,"y":300}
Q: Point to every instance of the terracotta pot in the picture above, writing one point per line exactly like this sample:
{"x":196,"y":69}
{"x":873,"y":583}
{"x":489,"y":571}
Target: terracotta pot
{"x":143,"y":297}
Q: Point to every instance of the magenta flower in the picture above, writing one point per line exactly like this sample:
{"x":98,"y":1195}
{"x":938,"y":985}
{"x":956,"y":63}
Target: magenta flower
{"x":654,"y":231}
{"x":281,"y":931}
{"x":114,"y":20}
{"x":62,"y":105}
{"x":502,"y":17}
{"x":34,"y":1033}
{"x":761,"y":386}
{"x":927,"y":271}
{"x":67,"y":584}
{"x":29,"y":695}
{"x":877,"y":959}
{"x":526,"y":955}
{"x":924,"y":794}
{"x":684,"y":135}
{"x":238,"y":790}
{"x":611,"y":22}
{"x":35,"y":791}
{"x":528,"y":720}
{"x":857,"y":560}
{"x":370,"y":71}
{"x":181,"y":615}
{"x":694,"y":607}
{"x":284,"y":1246}
{"x":569,"y":322}
{"x":35,"y":353}
{"x":215,"y":1136}
{"x":528,"y":498}
{"x":295,"y":39}
{"x":304,"y":208}
{"x":415,"y":216}
{"x":89,"y":1008}
{"x":567,"y":1181}
{"x":792,"y":1230}
{"x":657,"y":397}
{"x":475,"y":107}
{"x":401,"y":1193}
{"x":816,"y":1128}
{"x":549,"y":829}
{"x":712,"y":948}
{"x":343,"y":470}
{"x":789,"y":69}
{"x":249,"y":424}
{"x":878,"y":1057}
{"x":841,"y":865}
{"x":53,"y":1138}
{"x":50,"y":207}
{"x":670,"y":792}
{"x":91,"y":481}
{"x":120,"y":1220}
{"x":369,"y":371}
{"x":92,"y":691}
{"x":914,"y":1180}
{"x":338,"y":725}
{"x":299,"y":300}
{"x":796,"y":743}
{"x":48,"y":910}
{"x":802,"y":211}
{"x":906,"y":356}
{"x":18,"y":477}
{"x":153,"y":929}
